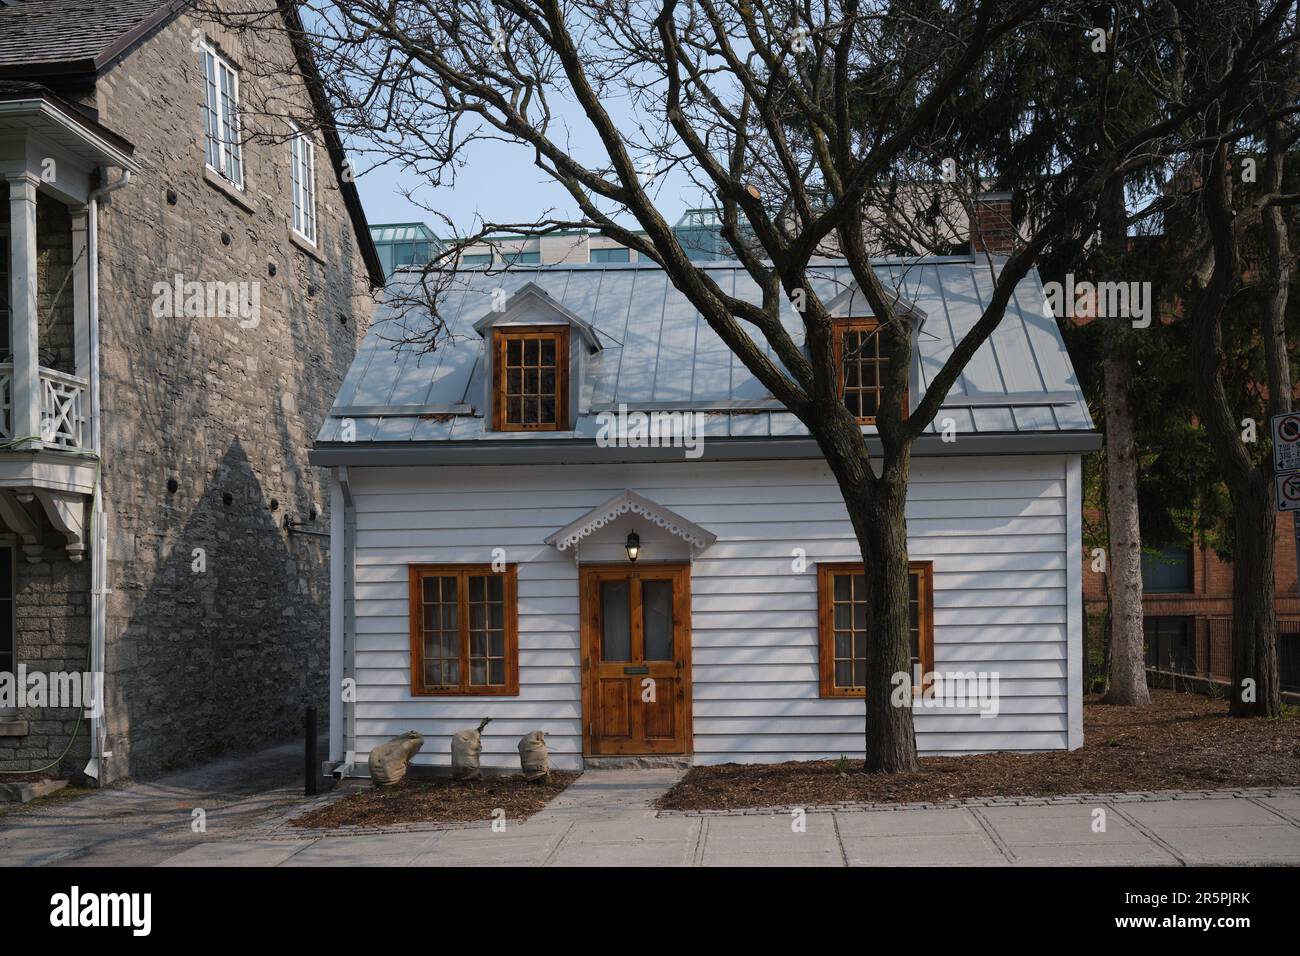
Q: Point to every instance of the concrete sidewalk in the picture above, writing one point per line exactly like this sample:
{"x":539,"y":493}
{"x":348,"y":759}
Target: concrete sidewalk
{"x":606,"y":819}
{"x":141,"y":824}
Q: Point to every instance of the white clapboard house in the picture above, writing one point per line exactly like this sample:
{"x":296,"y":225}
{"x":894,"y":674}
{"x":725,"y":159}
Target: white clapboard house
{"x":489,"y":496}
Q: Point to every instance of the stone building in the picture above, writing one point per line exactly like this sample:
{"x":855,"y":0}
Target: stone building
{"x":185,"y":273}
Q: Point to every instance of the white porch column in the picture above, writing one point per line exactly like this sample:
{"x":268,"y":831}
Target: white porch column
{"x":23,"y":324}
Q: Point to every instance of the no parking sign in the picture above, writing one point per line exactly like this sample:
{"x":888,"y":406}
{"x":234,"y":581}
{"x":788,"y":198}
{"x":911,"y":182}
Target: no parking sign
{"x":1286,"y":465}
{"x":1286,"y":442}
{"x":1288,"y":492}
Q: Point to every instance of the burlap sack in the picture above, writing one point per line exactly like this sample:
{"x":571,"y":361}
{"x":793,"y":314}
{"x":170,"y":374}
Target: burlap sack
{"x":533,"y":755}
{"x":466,"y":745}
{"x":388,"y":761}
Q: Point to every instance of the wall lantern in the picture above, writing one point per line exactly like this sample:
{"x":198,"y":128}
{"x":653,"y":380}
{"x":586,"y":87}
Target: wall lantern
{"x":633,"y":546}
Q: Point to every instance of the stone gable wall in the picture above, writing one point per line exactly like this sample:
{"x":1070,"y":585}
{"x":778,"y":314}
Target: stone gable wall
{"x":218,"y":626}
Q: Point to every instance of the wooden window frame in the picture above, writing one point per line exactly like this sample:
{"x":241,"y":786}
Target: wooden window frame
{"x":510,"y":597}
{"x":501,"y":337}
{"x":839,"y":327}
{"x":826,"y":573}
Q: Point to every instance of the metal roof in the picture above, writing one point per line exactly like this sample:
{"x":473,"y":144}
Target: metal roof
{"x":660,"y":354}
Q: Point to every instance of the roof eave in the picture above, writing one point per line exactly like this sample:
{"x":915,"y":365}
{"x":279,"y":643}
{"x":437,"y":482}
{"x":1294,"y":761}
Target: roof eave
{"x":112,"y":149}
{"x":587,"y":452}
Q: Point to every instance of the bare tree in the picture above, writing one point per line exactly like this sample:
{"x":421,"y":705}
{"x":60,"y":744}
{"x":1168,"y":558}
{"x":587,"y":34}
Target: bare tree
{"x":757,"y":103}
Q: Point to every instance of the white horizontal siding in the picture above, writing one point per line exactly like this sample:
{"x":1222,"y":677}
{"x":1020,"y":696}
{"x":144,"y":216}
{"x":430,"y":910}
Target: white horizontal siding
{"x":995,"y":529}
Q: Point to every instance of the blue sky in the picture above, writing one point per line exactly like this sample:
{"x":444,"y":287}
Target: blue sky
{"x":499,"y":183}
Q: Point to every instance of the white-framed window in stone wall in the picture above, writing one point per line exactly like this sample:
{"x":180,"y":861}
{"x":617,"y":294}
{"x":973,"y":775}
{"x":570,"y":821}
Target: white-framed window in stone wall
{"x":302,"y":171}
{"x":225,"y":152}
{"x":8,"y":623}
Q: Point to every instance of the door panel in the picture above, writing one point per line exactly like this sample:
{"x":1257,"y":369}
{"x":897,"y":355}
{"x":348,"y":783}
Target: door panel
{"x":614,"y":712}
{"x":636,"y":659}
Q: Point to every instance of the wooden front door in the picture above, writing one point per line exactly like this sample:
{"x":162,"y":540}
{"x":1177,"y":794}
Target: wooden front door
{"x":636,"y":659}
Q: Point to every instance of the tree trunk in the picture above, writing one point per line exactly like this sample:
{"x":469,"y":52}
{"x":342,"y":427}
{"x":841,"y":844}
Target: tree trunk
{"x":882,"y":537}
{"x":1126,"y":670}
{"x":1256,"y":688}
{"x":1127,"y":677}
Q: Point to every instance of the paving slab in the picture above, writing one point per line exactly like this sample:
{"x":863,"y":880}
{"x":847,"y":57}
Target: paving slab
{"x":639,"y":854}
{"x":1200,"y":813}
{"x":633,"y":841}
{"x":385,"y":849}
{"x":237,"y":853}
{"x":1245,"y":845}
{"x":523,"y":845}
{"x":1060,"y":825}
{"x":855,"y":823}
{"x":637,"y":829}
{"x":770,"y":840}
{"x":1146,"y":853}
{"x":1287,"y":806}
{"x":948,"y":849}
{"x":611,"y":794}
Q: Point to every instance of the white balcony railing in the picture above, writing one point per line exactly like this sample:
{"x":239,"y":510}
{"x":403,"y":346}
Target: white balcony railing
{"x":62,"y":398}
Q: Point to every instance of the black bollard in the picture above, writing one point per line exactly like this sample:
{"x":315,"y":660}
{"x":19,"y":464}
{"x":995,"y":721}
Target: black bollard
{"x":312,"y":768}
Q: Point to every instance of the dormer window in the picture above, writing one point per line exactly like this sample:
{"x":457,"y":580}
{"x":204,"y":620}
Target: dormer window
{"x":532,"y":387}
{"x":862,"y":366}
{"x":536,"y":357}
{"x":860,"y":354}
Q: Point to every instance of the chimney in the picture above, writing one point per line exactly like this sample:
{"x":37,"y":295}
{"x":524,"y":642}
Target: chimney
{"x":992,"y":228}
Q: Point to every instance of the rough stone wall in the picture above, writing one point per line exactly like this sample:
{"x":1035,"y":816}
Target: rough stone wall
{"x":52,"y":614}
{"x":218,"y":620}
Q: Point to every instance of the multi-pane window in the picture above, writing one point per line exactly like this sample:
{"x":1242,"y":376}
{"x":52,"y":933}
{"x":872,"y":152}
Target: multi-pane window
{"x":476,"y":259}
{"x":302,"y":167}
{"x":463,"y":630}
{"x":619,"y":254}
{"x":522,"y":258}
{"x":221,"y":116}
{"x":532,"y":378}
{"x":842,"y":626}
{"x":862,"y":366}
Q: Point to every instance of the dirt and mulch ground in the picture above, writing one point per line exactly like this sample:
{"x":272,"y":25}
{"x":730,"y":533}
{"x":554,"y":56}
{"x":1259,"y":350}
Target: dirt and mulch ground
{"x":1183,"y":741}
{"x":437,"y":800}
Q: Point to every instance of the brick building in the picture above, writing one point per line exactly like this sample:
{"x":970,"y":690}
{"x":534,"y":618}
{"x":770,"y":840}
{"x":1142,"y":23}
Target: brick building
{"x":1187,"y":606}
{"x":185,"y":280}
